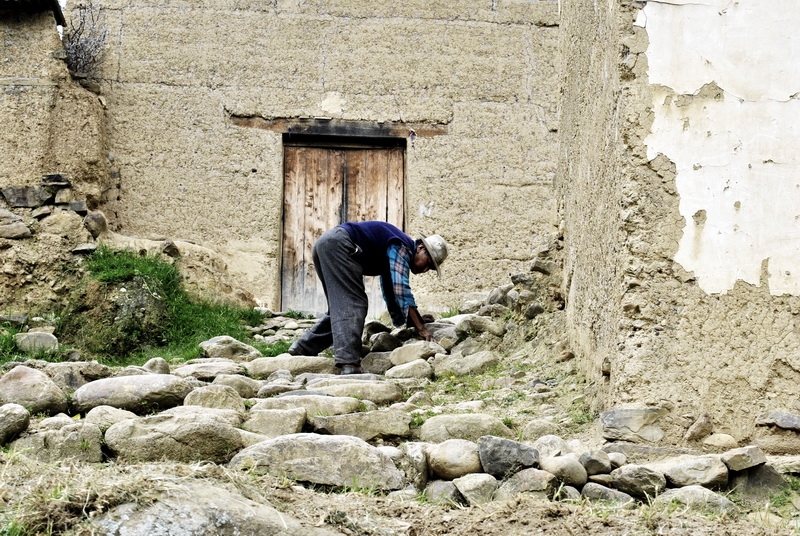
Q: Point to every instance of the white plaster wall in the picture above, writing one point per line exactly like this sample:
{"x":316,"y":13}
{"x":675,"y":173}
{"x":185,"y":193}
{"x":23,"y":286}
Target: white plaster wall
{"x":735,"y":150}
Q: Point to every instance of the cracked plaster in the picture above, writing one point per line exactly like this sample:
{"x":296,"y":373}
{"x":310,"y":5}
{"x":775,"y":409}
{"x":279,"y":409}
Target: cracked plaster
{"x":726,"y":113}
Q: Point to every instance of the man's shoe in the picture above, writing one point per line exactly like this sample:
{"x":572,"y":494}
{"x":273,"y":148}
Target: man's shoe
{"x":351,"y":369}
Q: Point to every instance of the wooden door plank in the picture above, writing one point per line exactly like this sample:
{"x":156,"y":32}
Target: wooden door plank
{"x":395,"y":187}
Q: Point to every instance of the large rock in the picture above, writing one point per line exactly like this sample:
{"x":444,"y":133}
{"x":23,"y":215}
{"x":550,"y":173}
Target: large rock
{"x":743,"y":458}
{"x":313,"y":404}
{"x":76,"y":441}
{"x":264,"y":366}
{"x":367,"y":425}
{"x":477,"y":488}
{"x":106,"y":416}
{"x":328,"y":460}
{"x":781,"y":419}
{"x":134,"y":393}
{"x":196,"y":507}
{"x":469,"y":426}
{"x":458,"y":364}
{"x":14,"y":420}
{"x":567,"y":469}
{"x":418,"y":368}
{"x":208,"y":369}
{"x":246,"y":387}
{"x":501,"y":457}
{"x":413,"y":351}
{"x":228,"y":348}
{"x":36,"y":341}
{"x":706,"y":471}
{"x":272,"y":423}
{"x":181,"y":438}
{"x":454,"y":458}
{"x":379,"y":392}
{"x":216,"y":396}
{"x":596,"y":492}
{"x":638,"y":481}
{"x":71,"y":375}
{"x":32,"y":389}
{"x":697,"y":497}
{"x":528,"y":481}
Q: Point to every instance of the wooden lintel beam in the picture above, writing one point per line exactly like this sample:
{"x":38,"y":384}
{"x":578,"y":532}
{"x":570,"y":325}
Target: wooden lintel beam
{"x":338,"y":127}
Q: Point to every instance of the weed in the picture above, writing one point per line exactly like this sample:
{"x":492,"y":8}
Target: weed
{"x":451,"y":313}
{"x":509,"y":422}
{"x":297,"y":315}
{"x":12,"y":528}
{"x":84,"y":41}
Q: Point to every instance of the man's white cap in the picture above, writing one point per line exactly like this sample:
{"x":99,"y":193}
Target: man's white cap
{"x":437,"y":249}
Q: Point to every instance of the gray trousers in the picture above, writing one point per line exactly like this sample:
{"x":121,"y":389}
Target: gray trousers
{"x":337,"y":266}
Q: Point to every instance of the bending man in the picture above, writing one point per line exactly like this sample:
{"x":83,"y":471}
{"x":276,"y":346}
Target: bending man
{"x":342,"y":257}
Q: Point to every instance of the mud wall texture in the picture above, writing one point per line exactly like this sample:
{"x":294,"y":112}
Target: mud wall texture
{"x":693,"y":260}
{"x":176,"y":74}
{"x":50,"y":124}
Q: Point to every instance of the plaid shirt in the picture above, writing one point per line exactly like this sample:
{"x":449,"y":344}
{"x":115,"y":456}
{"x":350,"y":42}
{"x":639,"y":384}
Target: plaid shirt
{"x":400,"y":268}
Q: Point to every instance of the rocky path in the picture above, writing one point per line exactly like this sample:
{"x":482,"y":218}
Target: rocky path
{"x":484,"y":431}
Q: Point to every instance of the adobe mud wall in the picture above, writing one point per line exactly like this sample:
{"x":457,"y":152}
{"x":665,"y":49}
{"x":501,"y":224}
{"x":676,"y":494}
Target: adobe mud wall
{"x":177,"y":74}
{"x":50,"y":124}
{"x":678,"y":188}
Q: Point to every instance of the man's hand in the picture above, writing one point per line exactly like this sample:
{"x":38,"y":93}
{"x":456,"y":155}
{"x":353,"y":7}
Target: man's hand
{"x":416,"y":319}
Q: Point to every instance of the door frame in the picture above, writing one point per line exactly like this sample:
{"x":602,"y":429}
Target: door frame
{"x":334,"y":141}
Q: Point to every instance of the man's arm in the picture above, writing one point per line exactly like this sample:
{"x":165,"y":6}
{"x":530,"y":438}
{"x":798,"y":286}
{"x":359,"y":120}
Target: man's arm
{"x":416,"y":319}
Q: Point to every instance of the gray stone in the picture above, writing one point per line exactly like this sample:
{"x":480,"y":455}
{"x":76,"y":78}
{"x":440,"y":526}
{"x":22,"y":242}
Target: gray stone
{"x":501,"y":457}
{"x":157,"y":365}
{"x":414,"y":369}
{"x":638,"y":481}
{"x":701,"y":428}
{"x":697,"y":497}
{"x":228,"y":348}
{"x":273,"y":423}
{"x":380,"y":392}
{"x":706,"y":471}
{"x":720,"y":441}
{"x":532,"y":310}
{"x":366,"y":426}
{"x":743,"y":458}
{"x":36,"y":341}
{"x":414,"y":463}
{"x":246,"y":387}
{"x":527,"y":481}
{"x":458,"y":364}
{"x":135,"y":393}
{"x":567,"y":469}
{"x":194,"y":507}
{"x":595,"y":492}
{"x":784,"y":464}
{"x":216,"y":396}
{"x":226,"y":416}
{"x":208,"y":369}
{"x":469,"y":426}
{"x":264,"y":366}
{"x":327,"y":460}
{"x":7,"y":217}
{"x":15,"y":231}
{"x":445,"y":336}
{"x":536,"y":428}
{"x":376,"y":362}
{"x":454,"y":458}
{"x":14,"y":420}
{"x":781,"y":419}
{"x":32,"y":389}
{"x":617,"y":459}
{"x":106,"y":416}
{"x":479,"y":324}
{"x":77,"y":441}
{"x":443,"y":492}
{"x":596,"y":462}
{"x":632,"y":424}
{"x":413,"y":351}
{"x":550,"y":446}
{"x":182,"y":438}
{"x":384,"y":342}
{"x":476,"y":488}
{"x":70,"y":375}
{"x":26,"y":196}
{"x":313,"y":404}
{"x":757,"y":484}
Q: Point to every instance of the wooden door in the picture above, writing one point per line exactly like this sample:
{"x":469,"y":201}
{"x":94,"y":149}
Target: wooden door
{"x":323,"y":187}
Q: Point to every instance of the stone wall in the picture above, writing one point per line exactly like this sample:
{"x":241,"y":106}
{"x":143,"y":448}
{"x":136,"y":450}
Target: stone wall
{"x":177,"y":73}
{"x":675,"y":188}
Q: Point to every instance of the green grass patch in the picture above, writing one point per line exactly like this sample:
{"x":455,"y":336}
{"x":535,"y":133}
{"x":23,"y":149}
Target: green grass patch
{"x":180,"y":324}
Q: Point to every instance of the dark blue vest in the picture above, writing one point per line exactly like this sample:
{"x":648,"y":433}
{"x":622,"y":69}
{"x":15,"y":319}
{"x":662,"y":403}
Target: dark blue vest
{"x":373,"y":237}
